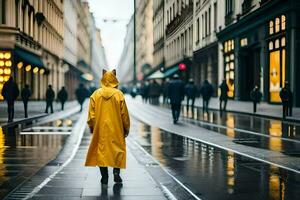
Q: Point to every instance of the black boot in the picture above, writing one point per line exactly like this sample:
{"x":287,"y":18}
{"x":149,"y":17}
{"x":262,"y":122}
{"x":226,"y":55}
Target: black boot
{"x":104,"y":174}
{"x":117,"y":177}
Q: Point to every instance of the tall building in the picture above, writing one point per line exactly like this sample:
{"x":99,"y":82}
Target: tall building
{"x":31,"y":44}
{"x":207,"y":19}
{"x":125,"y":66}
{"x":179,"y":37}
{"x":144,"y":37}
{"x":260,"y":46}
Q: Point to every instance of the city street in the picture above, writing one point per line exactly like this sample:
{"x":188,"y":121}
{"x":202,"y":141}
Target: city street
{"x":235,"y":156}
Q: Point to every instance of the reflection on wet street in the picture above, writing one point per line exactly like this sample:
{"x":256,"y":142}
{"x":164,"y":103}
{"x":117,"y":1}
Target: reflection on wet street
{"x":213,"y":173}
{"x":249,"y":130}
{"x":25,"y":149}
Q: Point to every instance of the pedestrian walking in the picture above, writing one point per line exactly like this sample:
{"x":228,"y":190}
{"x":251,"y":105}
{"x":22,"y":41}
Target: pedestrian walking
{"x":206,"y":92}
{"x":10,"y":93}
{"x":154,"y":92}
{"x":25,"y":94}
{"x":62,"y":97}
{"x":255,"y":96}
{"x":191,"y":92}
{"x":165,"y":90}
{"x":176,"y":95}
{"x":109,"y":123}
{"x":286,"y":96}
{"x":50,"y":95}
{"x":223,"y":96}
{"x":81,"y":94}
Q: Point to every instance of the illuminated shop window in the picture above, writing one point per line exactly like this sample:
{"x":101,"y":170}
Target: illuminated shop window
{"x":277,"y":58}
{"x":229,"y":66}
{"x":244,"y":42}
{"x":271,"y":27}
{"x":5,"y":68}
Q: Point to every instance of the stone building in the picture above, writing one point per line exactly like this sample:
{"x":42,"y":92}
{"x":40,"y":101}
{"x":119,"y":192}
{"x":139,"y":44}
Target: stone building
{"x":144,"y":37}
{"x":260,"y":46}
{"x":31,"y":44}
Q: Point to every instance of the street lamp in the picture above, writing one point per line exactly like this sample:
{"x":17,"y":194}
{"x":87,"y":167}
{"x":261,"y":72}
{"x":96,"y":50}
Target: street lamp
{"x":134,"y":42}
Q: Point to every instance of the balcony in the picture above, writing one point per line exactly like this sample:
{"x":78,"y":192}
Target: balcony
{"x":229,"y":18}
{"x":246,"y":6}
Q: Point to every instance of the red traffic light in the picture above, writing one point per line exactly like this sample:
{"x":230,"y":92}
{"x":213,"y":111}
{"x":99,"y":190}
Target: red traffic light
{"x":182,"y":66}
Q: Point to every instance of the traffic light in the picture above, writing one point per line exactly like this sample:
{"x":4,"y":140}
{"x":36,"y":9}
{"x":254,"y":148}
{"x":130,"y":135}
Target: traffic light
{"x":182,"y":66}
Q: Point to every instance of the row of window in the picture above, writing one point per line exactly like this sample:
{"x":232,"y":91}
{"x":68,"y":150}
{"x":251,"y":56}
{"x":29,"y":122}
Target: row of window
{"x":175,"y":9}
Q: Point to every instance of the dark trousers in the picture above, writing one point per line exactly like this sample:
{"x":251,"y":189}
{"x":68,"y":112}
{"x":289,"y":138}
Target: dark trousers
{"x":62,"y":105}
{"x":188,"y":103}
{"x":104,"y":171}
{"x":254,"y":106}
{"x":223,"y":104}
{"x":10,"y":110}
{"x":285,"y":109}
{"x":49,"y":104}
{"x":205,"y":105}
{"x":25,"y":108}
{"x":175,"y":111}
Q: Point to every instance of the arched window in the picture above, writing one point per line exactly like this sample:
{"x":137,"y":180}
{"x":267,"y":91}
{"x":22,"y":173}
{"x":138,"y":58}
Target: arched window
{"x":277,"y":25}
{"x":271,"y":27}
{"x":282,"y":22}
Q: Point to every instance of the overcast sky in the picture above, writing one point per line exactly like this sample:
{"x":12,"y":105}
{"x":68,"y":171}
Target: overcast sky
{"x":112,"y":33}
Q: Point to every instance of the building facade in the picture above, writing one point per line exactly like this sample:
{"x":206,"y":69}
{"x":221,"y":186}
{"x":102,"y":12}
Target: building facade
{"x":179,"y":36}
{"x":31,"y":44}
{"x":207,"y":20}
{"x":260,"y":42}
{"x":144,"y":37}
{"x":125,"y":65}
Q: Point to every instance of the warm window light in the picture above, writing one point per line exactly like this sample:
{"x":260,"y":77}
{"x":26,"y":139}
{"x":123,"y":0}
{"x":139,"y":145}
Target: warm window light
{"x":1,"y":78}
{"x":7,"y":55}
{"x":1,"y":55}
{"x":6,"y":78}
{"x":28,"y":68}
{"x":1,"y":63}
{"x":20,"y":65}
{"x":35,"y":70}
{"x":8,"y":63}
{"x":1,"y":71}
{"x":7,"y":71}
{"x":42,"y":71}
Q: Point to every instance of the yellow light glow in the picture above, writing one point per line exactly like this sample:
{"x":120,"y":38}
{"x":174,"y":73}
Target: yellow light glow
{"x":1,"y":78}
{"x":1,"y":71}
{"x":8,"y":63}
{"x":7,"y":71}
{"x":1,"y":55}
{"x":68,"y":122}
{"x":6,"y":78}
{"x":20,"y":65}
{"x":7,"y":55}
{"x":28,"y":68}
{"x":35,"y":70}
{"x":1,"y":63}
{"x":42,"y":71}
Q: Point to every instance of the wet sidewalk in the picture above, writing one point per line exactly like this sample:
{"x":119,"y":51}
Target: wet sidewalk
{"x":78,"y":182}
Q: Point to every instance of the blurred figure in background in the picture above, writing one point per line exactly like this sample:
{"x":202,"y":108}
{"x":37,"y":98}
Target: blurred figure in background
{"x":206,"y":92}
{"x":223,"y":96}
{"x":81,"y":94}
{"x":191,"y":92}
{"x":62,"y":97}
{"x":286,"y":96}
{"x":154,"y":92}
{"x":50,"y":95}
{"x":255,"y":96}
{"x":165,"y":89}
{"x":10,"y":93}
{"x":25,"y":94}
{"x":176,"y":95}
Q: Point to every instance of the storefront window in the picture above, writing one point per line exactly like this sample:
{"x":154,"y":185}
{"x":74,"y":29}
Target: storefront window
{"x":271,"y":27}
{"x":229,"y":66}
{"x":277,"y":59}
{"x":5,"y":68}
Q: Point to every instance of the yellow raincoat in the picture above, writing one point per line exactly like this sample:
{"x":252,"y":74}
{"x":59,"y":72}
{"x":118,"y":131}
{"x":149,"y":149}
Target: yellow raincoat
{"x":109,"y":120}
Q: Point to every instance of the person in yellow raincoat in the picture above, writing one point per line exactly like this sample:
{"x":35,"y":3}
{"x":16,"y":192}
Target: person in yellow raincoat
{"x":109,"y":123}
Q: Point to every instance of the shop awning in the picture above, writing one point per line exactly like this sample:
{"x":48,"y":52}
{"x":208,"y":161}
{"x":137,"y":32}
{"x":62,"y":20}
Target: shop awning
{"x":167,"y":73}
{"x":29,"y":58}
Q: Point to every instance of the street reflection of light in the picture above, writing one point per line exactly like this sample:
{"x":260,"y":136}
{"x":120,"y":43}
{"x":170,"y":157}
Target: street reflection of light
{"x":20,"y":65}
{"x":195,"y":113}
{"x":211,"y":118}
{"x":276,"y":131}
{"x":35,"y":70}
{"x":156,"y":144}
{"x":68,"y":122}
{"x":2,"y":149}
{"x":58,"y":122}
{"x":205,"y":116}
{"x":276,"y":187}
{"x":8,"y":63}
{"x":230,"y":124}
{"x":230,"y":173}
{"x":28,"y":68}
{"x":42,"y":71}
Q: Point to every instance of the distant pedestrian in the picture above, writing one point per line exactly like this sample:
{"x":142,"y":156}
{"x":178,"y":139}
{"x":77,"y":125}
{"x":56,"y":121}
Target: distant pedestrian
{"x":50,"y":95}
{"x":165,"y":90}
{"x":109,"y":123}
{"x":62,"y":97}
{"x":223,"y":96}
{"x":154,"y":92}
{"x":255,"y":96}
{"x":176,"y":95}
{"x":191,"y":93}
{"x":10,"y":93}
{"x":25,"y":94}
{"x":81,"y":94}
{"x":286,"y":96}
{"x":206,"y":92}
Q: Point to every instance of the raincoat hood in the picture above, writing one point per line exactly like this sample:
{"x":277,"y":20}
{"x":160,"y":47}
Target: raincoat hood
{"x":109,"y":83}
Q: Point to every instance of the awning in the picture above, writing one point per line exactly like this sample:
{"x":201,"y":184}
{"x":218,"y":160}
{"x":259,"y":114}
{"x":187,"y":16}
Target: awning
{"x":29,"y":58}
{"x":167,"y":73}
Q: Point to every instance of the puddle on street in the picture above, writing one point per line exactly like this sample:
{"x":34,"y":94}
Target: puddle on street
{"x":214,"y":173}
